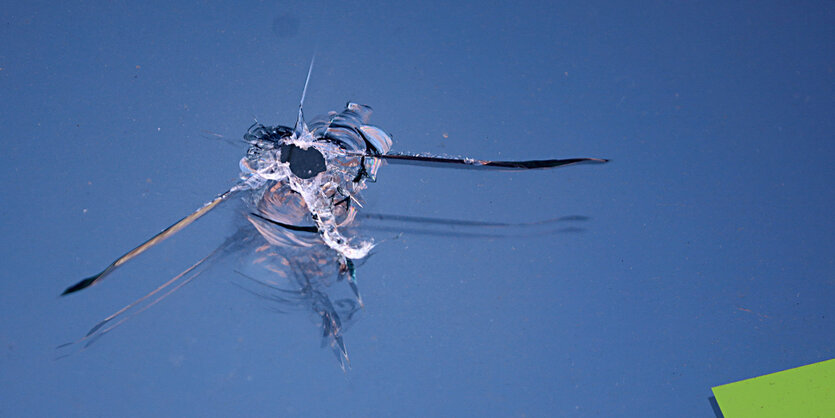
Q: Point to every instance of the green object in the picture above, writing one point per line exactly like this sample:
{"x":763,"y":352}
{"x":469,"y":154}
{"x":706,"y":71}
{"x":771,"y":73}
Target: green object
{"x":807,"y":391}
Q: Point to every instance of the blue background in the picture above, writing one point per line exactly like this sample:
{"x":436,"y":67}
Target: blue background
{"x":708,"y":256}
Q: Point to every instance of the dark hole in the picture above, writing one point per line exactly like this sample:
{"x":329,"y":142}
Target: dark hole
{"x":304,"y":163}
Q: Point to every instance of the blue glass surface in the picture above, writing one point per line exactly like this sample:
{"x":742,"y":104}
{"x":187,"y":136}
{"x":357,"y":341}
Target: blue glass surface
{"x":701,"y":255}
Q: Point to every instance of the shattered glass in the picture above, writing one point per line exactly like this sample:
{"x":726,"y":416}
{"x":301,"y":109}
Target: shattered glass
{"x":301,"y":219}
{"x":302,"y":189}
{"x":327,"y":196}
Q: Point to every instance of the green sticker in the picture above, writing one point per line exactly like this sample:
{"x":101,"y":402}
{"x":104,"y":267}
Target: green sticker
{"x":807,"y":391}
